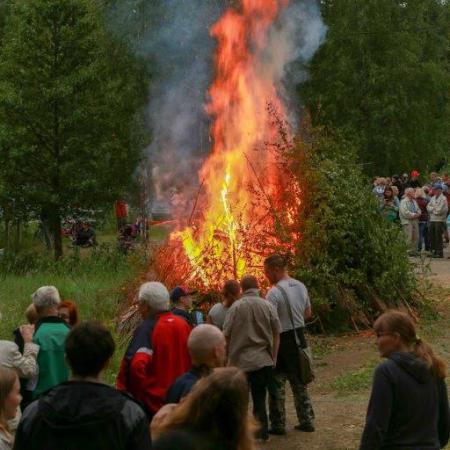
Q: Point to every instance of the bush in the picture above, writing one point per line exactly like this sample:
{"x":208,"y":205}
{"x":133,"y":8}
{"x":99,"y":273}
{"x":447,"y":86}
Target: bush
{"x":353,"y":261}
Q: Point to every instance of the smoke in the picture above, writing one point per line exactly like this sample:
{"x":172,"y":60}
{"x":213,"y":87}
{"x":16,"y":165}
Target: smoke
{"x":294,"y":40}
{"x":174,"y":37}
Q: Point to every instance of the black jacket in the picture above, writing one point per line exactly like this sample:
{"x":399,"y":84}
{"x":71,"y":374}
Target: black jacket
{"x":183,"y":384}
{"x":408,"y":407}
{"x":83,"y":416}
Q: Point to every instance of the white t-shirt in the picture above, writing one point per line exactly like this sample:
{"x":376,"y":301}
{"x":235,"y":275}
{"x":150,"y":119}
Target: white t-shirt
{"x":298,"y":300}
{"x":217,"y":314}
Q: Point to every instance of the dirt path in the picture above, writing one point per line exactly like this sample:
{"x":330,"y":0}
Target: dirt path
{"x":340,"y":413}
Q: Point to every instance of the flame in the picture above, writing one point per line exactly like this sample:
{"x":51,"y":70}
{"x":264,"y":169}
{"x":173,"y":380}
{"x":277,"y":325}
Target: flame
{"x":241,"y":177}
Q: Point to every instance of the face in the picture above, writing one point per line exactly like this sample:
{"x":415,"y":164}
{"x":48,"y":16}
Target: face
{"x":186,"y":301}
{"x":63,"y":313}
{"x":13,"y":400}
{"x":388,"y":343}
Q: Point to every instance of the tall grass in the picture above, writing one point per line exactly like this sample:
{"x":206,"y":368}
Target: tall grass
{"x":94,"y":282}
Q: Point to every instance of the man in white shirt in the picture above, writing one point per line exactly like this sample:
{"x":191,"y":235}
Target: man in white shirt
{"x":437,"y":209}
{"x":287,"y":367}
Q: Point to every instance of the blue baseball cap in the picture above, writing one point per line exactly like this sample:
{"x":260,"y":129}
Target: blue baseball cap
{"x":180,"y":291}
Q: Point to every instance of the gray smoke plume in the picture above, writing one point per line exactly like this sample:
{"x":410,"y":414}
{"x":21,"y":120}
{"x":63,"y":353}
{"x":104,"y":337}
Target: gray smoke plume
{"x":174,"y":37}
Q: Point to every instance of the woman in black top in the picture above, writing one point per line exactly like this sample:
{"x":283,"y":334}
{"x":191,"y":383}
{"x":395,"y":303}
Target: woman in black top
{"x":408,"y":407}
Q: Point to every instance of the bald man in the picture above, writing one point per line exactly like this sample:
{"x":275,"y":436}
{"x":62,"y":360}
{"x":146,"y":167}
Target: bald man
{"x":206,"y":345}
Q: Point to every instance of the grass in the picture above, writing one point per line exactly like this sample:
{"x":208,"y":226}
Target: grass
{"x":355,"y":381}
{"x":93,"y":279}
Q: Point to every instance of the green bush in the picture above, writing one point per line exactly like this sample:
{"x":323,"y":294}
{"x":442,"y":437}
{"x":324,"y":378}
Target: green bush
{"x":353,"y":261}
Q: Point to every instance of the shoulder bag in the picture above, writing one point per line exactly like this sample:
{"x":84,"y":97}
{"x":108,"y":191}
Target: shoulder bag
{"x":305,"y":354}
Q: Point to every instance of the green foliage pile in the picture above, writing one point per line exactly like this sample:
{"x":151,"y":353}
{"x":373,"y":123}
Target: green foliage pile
{"x":382,"y":79}
{"x":353,"y":261}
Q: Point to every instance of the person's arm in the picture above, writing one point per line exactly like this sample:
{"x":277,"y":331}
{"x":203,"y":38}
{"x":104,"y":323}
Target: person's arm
{"x":227,"y":326}
{"x":444,"y":414}
{"x":308,"y":313}
{"x":276,"y":346}
{"x":378,"y":411}
{"x":26,"y":365}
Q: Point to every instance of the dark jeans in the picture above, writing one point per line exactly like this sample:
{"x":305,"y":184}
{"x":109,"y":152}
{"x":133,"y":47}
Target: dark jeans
{"x":260,"y":381}
{"x":423,"y":236}
{"x":436,"y":244}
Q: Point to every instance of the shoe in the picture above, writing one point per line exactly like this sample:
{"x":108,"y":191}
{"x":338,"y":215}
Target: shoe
{"x":277,"y":431}
{"x":263,"y":439}
{"x":307,"y":428}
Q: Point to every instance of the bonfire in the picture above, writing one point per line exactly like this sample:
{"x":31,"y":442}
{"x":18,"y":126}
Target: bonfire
{"x":248,"y":199}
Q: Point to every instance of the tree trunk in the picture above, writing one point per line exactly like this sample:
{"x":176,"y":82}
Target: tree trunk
{"x":7,"y":235}
{"x":56,"y":232}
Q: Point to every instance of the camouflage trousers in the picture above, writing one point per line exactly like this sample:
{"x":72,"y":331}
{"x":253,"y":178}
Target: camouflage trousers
{"x":277,"y":400}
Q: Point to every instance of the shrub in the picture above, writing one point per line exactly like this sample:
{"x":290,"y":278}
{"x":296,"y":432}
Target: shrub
{"x":353,"y":261}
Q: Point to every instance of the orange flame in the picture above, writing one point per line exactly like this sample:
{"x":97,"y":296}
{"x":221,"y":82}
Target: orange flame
{"x":225,"y":242}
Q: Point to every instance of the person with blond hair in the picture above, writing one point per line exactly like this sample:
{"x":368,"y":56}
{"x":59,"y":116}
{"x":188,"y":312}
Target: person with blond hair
{"x":214,"y":416}
{"x":408,"y":407}
{"x":10,"y":399}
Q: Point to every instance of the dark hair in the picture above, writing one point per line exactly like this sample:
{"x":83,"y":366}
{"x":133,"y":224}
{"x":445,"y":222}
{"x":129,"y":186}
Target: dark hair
{"x":89,"y":346}
{"x":275,"y":261}
{"x":249,"y":282}
{"x":231,"y":287}
{"x":7,"y":379}
{"x":218,"y":407}
{"x":401,"y":323}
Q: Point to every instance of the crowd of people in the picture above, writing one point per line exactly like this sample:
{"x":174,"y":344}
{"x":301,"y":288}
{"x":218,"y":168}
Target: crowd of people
{"x":186,"y":384}
{"x":422,"y":209}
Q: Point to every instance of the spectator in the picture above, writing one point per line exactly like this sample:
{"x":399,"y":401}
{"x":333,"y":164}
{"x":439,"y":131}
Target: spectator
{"x":23,"y":363}
{"x":85,"y":413}
{"x":27,"y":383}
{"x":85,"y":236}
{"x":10,"y":399}
{"x":252,"y":331}
{"x":437,"y":208}
{"x":292,"y":317}
{"x":231,"y":292}
{"x":409,"y":218}
{"x":423,"y":220}
{"x":434,"y":178}
{"x":388,"y":208}
{"x":378,"y":190}
{"x":67,"y":311}
{"x":157,"y":354}
{"x":408,"y":407}
{"x":181,"y":298}
{"x":206,"y":345}
{"x":414,"y":181}
{"x":396,"y":192}
{"x":213,"y":417}
{"x":50,"y":334}
{"x":398,"y":184}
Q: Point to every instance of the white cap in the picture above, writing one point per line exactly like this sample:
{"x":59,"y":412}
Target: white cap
{"x":155,"y":295}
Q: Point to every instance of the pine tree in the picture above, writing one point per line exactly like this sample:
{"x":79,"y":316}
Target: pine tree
{"x":69,"y":102}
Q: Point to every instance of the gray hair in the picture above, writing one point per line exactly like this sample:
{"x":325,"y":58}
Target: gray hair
{"x":45,"y":297}
{"x":409,"y":190}
{"x":155,"y":295}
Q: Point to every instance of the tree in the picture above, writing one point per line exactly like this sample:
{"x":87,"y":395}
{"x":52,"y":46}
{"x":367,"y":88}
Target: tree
{"x":69,"y":109}
{"x":382,"y":78}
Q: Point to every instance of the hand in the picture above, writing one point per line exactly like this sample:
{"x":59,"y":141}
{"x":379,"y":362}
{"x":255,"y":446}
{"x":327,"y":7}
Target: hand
{"x":159,"y":419}
{"x":27,"y":332}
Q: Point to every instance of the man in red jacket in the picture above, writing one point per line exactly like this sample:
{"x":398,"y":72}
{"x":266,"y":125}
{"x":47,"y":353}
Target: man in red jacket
{"x":157,"y":354}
